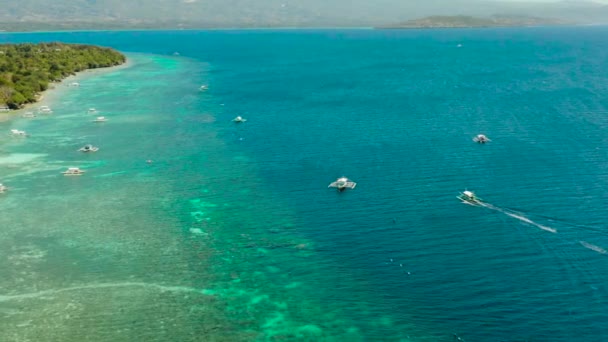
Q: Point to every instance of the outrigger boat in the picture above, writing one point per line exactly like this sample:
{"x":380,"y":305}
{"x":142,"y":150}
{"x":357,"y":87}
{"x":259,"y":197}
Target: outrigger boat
{"x":88,"y":148}
{"x":481,"y":139}
{"x":100,"y":119}
{"x":73,"y":171}
{"x":28,"y":115}
{"x":342,"y":184}
{"x":45,"y":110}
{"x":469,"y":197}
{"x":18,"y":133}
{"x":239,"y":119}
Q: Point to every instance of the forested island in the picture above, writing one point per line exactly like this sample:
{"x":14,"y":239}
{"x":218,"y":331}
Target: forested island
{"x":464,"y":21}
{"x":27,"y":69}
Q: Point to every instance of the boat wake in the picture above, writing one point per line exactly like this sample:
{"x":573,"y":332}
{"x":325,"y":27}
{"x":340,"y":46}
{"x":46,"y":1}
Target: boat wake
{"x":518,"y":216}
{"x":521,"y":217}
{"x":593,"y":247}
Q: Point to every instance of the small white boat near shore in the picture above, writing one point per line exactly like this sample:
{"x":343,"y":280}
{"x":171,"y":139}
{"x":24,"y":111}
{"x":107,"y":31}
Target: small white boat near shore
{"x":28,"y":115}
{"x":73,"y":171}
{"x":239,"y":119}
{"x":18,"y":133}
{"x":45,"y":110}
{"x":100,"y":119}
{"x":342,"y":184}
{"x":88,"y":148}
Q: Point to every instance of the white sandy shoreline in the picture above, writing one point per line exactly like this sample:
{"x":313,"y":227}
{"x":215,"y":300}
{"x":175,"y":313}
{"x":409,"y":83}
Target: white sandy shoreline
{"x":54,"y":92}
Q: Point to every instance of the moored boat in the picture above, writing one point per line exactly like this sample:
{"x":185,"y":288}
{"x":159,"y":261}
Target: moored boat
{"x":73,"y":171}
{"x":481,"y":139}
{"x":88,"y":148}
{"x":45,"y":110}
{"x":3,"y":188}
{"x":342,"y":183}
{"x":100,"y":119}
{"x":239,"y":119}
{"x":18,"y":133}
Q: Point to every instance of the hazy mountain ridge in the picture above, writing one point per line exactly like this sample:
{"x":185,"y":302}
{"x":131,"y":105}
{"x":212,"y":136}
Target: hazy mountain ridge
{"x":463,"y":21}
{"x":273,"y":13}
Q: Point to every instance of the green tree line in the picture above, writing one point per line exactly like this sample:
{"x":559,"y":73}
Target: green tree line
{"x":27,"y":69}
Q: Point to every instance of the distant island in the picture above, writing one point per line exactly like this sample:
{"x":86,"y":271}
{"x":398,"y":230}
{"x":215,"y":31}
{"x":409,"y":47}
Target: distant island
{"x":463,"y":21}
{"x":27,"y":69}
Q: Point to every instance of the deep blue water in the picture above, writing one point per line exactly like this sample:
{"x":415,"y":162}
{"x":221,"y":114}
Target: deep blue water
{"x":396,"y":111}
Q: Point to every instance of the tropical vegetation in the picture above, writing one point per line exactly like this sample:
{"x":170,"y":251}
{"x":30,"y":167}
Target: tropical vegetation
{"x":26,"y":70}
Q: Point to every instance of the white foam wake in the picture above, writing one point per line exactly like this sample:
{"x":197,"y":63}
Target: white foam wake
{"x":593,"y":247}
{"x":519,"y":217}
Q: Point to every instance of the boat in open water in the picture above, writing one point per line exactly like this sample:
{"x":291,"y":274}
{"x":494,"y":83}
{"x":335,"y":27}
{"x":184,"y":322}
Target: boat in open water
{"x":342,"y":184}
{"x":73,"y":171}
{"x":100,"y":119}
{"x":3,"y":188}
{"x":481,"y":139}
{"x":469,"y":197}
{"x":88,"y":148}
{"x":239,"y":119}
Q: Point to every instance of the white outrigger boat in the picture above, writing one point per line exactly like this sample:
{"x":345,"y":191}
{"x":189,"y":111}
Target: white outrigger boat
{"x":342,"y":184}
{"x":100,"y":119}
{"x":18,"y":133}
{"x":3,"y":188}
{"x":88,"y":148}
{"x":481,"y":139}
{"x":239,"y":119}
{"x":28,"y":115}
{"x":73,"y":171}
{"x":469,"y":197}
{"x":45,"y":110}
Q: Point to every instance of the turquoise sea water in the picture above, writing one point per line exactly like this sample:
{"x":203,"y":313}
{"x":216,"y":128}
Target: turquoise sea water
{"x":231,"y":234}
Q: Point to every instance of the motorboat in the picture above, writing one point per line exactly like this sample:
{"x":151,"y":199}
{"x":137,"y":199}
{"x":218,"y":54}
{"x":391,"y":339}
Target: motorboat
{"x":19,"y":133}
{"x":3,"y":188}
{"x":28,"y":115}
{"x":73,"y":171}
{"x":88,"y":148}
{"x":100,"y":119}
{"x":342,"y":184}
{"x":469,"y":197}
{"x":74,"y":84}
{"x":92,"y":110}
{"x":45,"y":110}
{"x":481,"y":139}
{"x":239,"y":119}
{"x":203,"y":87}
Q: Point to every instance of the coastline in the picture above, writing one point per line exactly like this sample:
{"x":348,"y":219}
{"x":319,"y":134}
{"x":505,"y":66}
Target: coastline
{"x":54,"y":91}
